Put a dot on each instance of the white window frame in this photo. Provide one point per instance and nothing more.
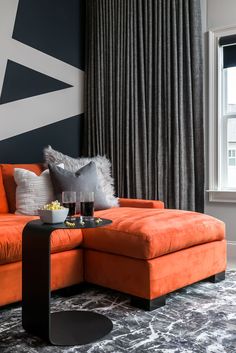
(216, 192)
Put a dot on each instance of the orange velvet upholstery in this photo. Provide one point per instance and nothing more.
(140, 203)
(66, 270)
(9, 182)
(3, 197)
(149, 233)
(147, 251)
(153, 278)
(11, 227)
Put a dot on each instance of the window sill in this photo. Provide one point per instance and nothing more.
(222, 195)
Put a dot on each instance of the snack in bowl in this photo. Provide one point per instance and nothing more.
(53, 213)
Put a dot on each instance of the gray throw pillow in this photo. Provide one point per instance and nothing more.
(103, 165)
(85, 179)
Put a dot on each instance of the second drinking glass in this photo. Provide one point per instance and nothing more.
(87, 205)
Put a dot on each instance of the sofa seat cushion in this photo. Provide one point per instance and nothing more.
(146, 233)
(11, 227)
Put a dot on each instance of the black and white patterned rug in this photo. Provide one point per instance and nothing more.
(197, 319)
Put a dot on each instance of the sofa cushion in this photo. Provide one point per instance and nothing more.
(146, 233)
(84, 179)
(9, 182)
(3, 197)
(103, 165)
(33, 191)
(140, 203)
(11, 227)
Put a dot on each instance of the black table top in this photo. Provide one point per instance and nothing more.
(78, 225)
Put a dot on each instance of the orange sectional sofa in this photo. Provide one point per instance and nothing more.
(148, 251)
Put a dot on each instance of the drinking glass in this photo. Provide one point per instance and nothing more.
(87, 205)
(69, 201)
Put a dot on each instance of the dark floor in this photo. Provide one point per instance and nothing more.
(198, 319)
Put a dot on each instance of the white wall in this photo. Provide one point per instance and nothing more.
(219, 14)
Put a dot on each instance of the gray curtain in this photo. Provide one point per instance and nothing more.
(144, 99)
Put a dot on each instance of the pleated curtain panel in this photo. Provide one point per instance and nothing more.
(144, 97)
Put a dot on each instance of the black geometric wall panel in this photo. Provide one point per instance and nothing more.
(53, 27)
(22, 82)
(42, 51)
(64, 136)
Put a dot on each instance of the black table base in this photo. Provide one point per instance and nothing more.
(78, 327)
(63, 328)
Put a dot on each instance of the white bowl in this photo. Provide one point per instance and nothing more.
(53, 216)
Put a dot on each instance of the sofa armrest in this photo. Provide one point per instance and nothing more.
(140, 203)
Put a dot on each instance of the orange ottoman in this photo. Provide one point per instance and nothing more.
(149, 252)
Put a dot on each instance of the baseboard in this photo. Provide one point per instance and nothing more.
(231, 254)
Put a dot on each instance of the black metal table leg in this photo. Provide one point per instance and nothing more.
(59, 328)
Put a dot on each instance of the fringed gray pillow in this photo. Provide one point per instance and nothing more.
(103, 165)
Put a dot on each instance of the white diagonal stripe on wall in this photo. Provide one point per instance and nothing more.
(30, 113)
(39, 111)
(46, 64)
(8, 9)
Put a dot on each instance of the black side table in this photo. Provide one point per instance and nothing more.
(59, 328)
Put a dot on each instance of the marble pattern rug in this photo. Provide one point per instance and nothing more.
(200, 318)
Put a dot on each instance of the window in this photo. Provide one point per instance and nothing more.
(227, 114)
(232, 161)
(222, 113)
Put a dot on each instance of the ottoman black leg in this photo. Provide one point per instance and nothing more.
(218, 277)
(148, 304)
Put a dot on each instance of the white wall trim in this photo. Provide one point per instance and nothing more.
(231, 254)
(222, 196)
(213, 112)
